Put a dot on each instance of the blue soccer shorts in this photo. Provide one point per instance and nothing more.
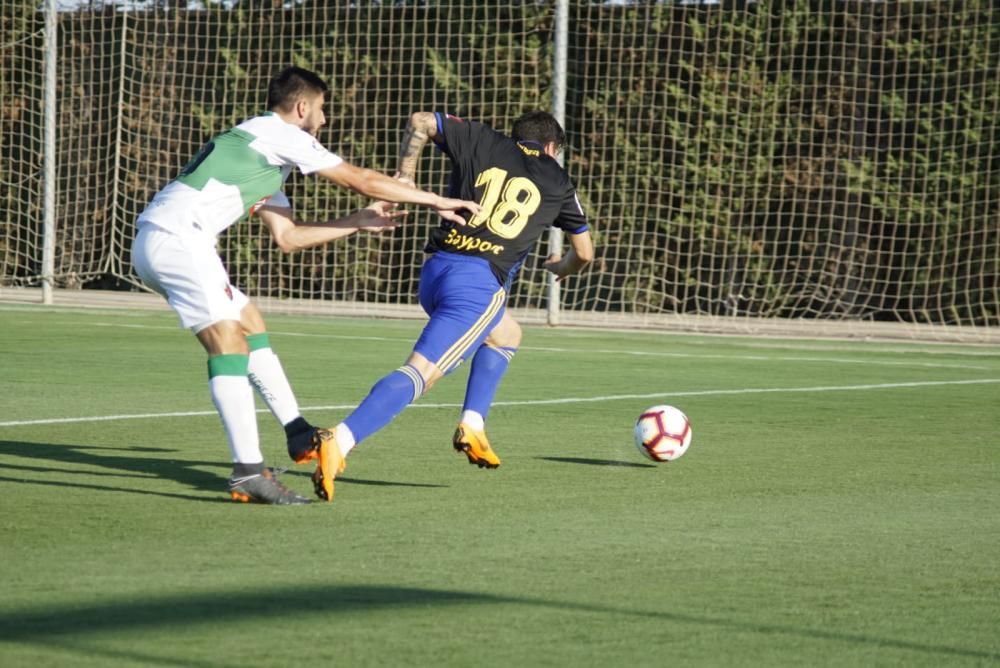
(464, 301)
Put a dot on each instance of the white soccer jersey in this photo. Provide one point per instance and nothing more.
(236, 173)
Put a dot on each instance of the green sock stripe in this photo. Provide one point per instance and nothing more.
(228, 365)
(258, 341)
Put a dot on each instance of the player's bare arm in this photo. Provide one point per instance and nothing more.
(421, 127)
(378, 186)
(581, 253)
(291, 234)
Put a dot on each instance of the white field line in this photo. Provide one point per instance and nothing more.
(757, 358)
(612, 351)
(736, 340)
(543, 402)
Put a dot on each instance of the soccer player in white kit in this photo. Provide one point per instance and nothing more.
(239, 173)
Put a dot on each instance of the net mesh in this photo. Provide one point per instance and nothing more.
(822, 160)
(21, 141)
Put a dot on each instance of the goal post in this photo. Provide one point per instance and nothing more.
(553, 304)
(49, 185)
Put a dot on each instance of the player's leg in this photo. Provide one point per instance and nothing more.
(387, 399)
(267, 376)
(488, 367)
(474, 445)
(389, 396)
(231, 392)
(189, 273)
(464, 302)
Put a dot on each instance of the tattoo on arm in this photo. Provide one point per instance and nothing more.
(409, 151)
(419, 129)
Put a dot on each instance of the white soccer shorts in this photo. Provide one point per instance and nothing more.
(189, 273)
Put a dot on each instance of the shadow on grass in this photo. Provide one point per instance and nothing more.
(48, 624)
(385, 483)
(64, 459)
(107, 488)
(307, 473)
(596, 462)
(124, 463)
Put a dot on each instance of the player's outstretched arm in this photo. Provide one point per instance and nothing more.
(292, 235)
(378, 186)
(581, 253)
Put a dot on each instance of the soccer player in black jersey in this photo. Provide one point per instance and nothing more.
(522, 191)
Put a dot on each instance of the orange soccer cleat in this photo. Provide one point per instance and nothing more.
(330, 463)
(475, 446)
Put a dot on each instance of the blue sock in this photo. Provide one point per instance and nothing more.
(488, 366)
(387, 399)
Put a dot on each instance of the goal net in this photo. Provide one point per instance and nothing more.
(765, 161)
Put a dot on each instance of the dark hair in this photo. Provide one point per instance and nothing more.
(290, 84)
(539, 126)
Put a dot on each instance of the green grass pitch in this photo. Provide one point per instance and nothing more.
(839, 505)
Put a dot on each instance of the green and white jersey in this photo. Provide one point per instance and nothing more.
(235, 174)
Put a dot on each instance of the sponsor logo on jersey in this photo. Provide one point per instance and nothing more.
(229, 292)
(462, 242)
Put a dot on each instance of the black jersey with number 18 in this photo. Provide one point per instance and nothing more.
(522, 192)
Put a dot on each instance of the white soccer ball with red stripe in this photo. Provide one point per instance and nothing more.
(662, 433)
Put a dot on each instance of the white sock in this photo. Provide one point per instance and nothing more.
(233, 398)
(345, 438)
(268, 378)
(474, 420)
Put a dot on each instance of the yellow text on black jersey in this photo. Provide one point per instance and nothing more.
(462, 242)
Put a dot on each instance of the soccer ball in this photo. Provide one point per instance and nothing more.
(662, 433)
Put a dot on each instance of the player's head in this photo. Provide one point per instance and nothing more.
(292, 83)
(541, 127)
(298, 95)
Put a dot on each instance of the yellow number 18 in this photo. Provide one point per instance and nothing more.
(506, 204)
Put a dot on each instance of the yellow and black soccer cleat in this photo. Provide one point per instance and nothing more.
(475, 446)
(330, 463)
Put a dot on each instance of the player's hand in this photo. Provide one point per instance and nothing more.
(554, 264)
(380, 216)
(447, 208)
